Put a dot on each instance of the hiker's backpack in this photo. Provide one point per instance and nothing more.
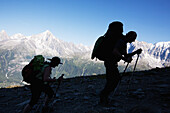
(33, 68)
(98, 50)
(103, 47)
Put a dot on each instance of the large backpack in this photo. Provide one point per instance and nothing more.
(103, 48)
(33, 68)
(99, 49)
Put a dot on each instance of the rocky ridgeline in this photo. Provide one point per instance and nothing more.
(147, 90)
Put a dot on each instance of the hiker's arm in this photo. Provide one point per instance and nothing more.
(139, 51)
(116, 53)
(120, 55)
(46, 75)
(128, 57)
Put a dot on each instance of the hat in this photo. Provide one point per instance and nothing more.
(115, 24)
(55, 60)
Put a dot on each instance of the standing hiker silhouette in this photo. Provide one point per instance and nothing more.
(116, 47)
(41, 84)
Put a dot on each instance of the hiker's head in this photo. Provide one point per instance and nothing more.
(55, 61)
(131, 36)
(115, 28)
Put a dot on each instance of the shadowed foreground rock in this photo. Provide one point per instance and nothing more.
(148, 90)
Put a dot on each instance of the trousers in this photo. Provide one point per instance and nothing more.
(112, 78)
(37, 87)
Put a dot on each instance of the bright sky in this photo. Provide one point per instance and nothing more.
(83, 21)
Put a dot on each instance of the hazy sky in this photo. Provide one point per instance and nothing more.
(83, 21)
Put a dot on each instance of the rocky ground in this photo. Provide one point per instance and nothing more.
(147, 90)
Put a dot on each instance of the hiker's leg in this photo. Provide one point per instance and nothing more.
(112, 80)
(116, 78)
(108, 86)
(106, 91)
(109, 83)
(109, 79)
(35, 90)
(112, 77)
(50, 93)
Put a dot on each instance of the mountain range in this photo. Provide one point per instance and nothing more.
(17, 50)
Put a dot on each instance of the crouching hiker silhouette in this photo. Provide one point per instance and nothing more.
(112, 73)
(40, 83)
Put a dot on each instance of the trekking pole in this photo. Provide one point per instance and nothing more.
(132, 74)
(59, 82)
(134, 68)
(120, 78)
(125, 69)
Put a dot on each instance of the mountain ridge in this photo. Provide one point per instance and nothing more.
(46, 38)
(17, 50)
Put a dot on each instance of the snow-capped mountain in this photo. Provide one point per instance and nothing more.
(161, 51)
(3, 36)
(155, 55)
(17, 50)
(47, 44)
(44, 43)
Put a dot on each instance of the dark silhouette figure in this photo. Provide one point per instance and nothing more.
(117, 51)
(41, 84)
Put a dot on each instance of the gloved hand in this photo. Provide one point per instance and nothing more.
(139, 51)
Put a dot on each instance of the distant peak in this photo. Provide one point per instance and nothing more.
(162, 43)
(18, 35)
(3, 31)
(47, 31)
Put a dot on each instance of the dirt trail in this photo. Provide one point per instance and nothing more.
(150, 89)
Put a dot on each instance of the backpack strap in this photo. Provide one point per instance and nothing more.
(40, 74)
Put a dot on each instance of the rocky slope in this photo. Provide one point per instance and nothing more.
(147, 90)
